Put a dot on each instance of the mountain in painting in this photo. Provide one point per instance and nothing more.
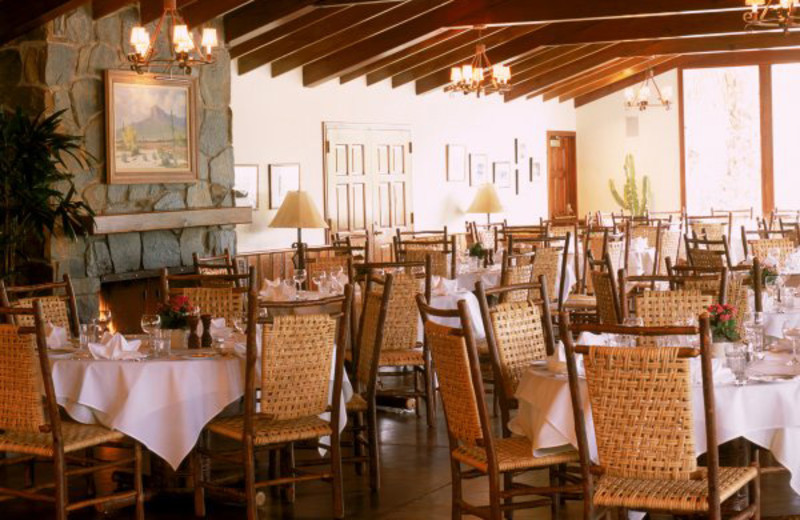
(159, 126)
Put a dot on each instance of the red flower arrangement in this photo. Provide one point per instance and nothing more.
(173, 314)
(722, 318)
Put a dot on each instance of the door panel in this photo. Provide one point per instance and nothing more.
(562, 173)
(368, 179)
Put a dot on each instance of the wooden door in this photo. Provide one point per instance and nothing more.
(368, 178)
(562, 174)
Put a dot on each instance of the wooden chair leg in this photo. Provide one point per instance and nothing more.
(137, 480)
(495, 513)
(508, 483)
(336, 471)
(287, 470)
(197, 480)
(90, 487)
(250, 479)
(272, 471)
(430, 396)
(358, 445)
(555, 506)
(455, 477)
(61, 491)
(374, 450)
(415, 374)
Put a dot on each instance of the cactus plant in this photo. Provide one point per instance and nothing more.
(631, 200)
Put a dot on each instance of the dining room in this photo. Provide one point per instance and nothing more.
(399, 259)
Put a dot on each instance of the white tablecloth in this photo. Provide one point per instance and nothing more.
(164, 404)
(773, 322)
(491, 278)
(765, 414)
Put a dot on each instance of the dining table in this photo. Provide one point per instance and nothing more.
(765, 411)
(162, 402)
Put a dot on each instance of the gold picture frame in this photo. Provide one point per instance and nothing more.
(151, 128)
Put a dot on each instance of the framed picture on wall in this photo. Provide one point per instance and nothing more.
(245, 185)
(456, 155)
(535, 169)
(151, 128)
(502, 174)
(520, 152)
(283, 178)
(478, 169)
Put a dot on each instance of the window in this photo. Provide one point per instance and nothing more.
(786, 134)
(723, 138)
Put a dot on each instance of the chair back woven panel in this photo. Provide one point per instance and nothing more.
(641, 402)
(324, 264)
(452, 367)
(546, 262)
(668, 308)
(594, 246)
(401, 329)
(486, 238)
(296, 366)
(219, 302)
(561, 231)
(54, 309)
(709, 230)
(670, 247)
(604, 293)
(738, 296)
(616, 251)
(708, 286)
(439, 259)
(707, 258)
(369, 331)
(649, 233)
(20, 387)
(762, 248)
(519, 336)
(216, 270)
(517, 274)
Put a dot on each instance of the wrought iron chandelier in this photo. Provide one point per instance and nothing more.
(472, 77)
(641, 96)
(186, 53)
(771, 14)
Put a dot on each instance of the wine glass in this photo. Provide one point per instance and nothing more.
(754, 332)
(792, 332)
(299, 277)
(240, 322)
(318, 277)
(150, 323)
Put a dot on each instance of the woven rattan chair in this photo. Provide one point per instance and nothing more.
(298, 351)
(362, 406)
(762, 248)
(472, 443)
(646, 458)
(710, 281)
(514, 270)
(326, 260)
(708, 253)
(58, 303)
(605, 290)
(518, 333)
(401, 349)
(31, 430)
(668, 308)
(210, 292)
(216, 264)
(442, 254)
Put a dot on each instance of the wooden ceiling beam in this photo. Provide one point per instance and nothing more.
(745, 57)
(711, 44)
(529, 70)
(263, 15)
(614, 78)
(591, 76)
(151, 10)
(393, 40)
(298, 40)
(607, 31)
(19, 17)
(526, 11)
(200, 12)
(461, 55)
(282, 31)
(420, 49)
(627, 82)
(394, 15)
(350, 3)
(408, 62)
(101, 8)
(539, 56)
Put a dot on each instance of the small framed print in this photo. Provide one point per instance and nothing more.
(502, 174)
(245, 185)
(535, 169)
(456, 163)
(478, 169)
(520, 152)
(283, 178)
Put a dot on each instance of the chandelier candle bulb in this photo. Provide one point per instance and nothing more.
(209, 41)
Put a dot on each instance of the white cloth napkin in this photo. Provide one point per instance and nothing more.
(721, 374)
(639, 244)
(218, 330)
(116, 347)
(442, 286)
(558, 361)
(277, 291)
(57, 337)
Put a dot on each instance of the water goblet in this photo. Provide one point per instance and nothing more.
(318, 278)
(299, 278)
(792, 333)
(85, 337)
(754, 332)
(736, 359)
(240, 323)
(150, 323)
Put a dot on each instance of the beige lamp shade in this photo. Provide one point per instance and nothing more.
(486, 201)
(298, 211)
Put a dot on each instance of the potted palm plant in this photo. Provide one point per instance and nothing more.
(37, 192)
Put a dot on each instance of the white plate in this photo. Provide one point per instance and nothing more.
(773, 378)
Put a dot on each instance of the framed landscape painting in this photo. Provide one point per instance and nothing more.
(151, 128)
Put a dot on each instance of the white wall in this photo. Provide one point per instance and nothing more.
(602, 145)
(277, 120)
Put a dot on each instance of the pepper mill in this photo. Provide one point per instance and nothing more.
(206, 340)
(194, 339)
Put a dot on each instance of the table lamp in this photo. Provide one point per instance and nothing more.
(298, 211)
(486, 201)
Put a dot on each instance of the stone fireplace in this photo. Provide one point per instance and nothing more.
(60, 66)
